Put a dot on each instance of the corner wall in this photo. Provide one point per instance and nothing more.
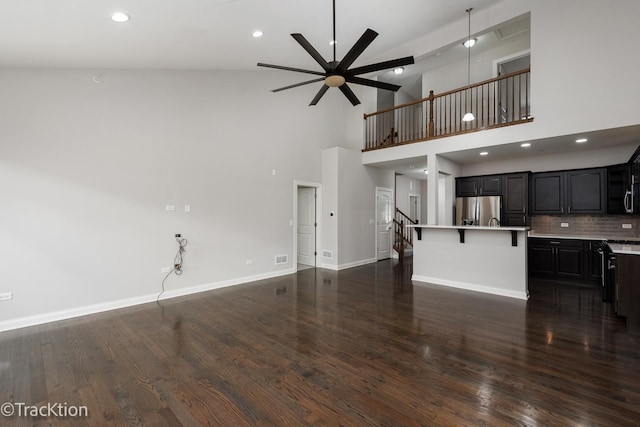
(89, 170)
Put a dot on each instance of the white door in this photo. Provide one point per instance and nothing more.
(307, 226)
(384, 222)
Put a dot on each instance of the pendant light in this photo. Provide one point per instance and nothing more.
(468, 117)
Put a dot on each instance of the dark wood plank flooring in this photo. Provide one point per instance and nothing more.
(359, 347)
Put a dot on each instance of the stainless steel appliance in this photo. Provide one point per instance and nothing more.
(478, 211)
(608, 281)
(632, 195)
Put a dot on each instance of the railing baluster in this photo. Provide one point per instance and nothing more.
(493, 102)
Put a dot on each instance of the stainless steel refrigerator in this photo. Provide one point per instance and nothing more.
(479, 211)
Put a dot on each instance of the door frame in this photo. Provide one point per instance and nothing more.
(294, 223)
(393, 207)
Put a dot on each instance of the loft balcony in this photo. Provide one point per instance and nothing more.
(498, 102)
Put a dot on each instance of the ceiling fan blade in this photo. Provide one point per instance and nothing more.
(372, 83)
(321, 92)
(349, 94)
(363, 42)
(385, 65)
(298, 70)
(298, 84)
(312, 51)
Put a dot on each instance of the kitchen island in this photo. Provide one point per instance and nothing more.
(483, 259)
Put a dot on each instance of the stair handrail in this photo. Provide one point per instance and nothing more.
(402, 234)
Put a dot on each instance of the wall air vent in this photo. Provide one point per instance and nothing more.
(282, 259)
(327, 254)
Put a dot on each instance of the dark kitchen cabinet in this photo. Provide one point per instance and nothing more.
(547, 193)
(564, 259)
(570, 259)
(489, 185)
(586, 191)
(627, 294)
(569, 192)
(515, 200)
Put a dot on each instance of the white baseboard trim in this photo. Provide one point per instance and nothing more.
(349, 264)
(469, 287)
(55, 316)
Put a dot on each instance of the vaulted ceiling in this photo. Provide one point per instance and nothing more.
(209, 34)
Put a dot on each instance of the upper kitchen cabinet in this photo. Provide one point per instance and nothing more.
(489, 185)
(547, 193)
(516, 199)
(587, 191)
(581, 191)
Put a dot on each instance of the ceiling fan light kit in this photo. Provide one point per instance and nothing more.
(337, 73)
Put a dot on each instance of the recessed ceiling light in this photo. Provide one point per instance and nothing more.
(257, 34)
(120, 17)
(581, 140)
(484, 153)
(398, 70)
(525, 145)
(332, 42)
(426, 172)
(469, 43)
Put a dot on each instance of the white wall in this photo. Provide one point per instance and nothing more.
(350, 194)
(88, 170)
(454, 75)
(582, 74)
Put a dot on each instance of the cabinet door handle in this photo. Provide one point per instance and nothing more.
(562, 210)
(555, 243)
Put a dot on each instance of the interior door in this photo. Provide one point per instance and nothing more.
(307, 226)
(384, 222)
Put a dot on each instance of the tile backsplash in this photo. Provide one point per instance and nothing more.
(587, 225)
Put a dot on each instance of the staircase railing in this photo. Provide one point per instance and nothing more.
(497, 102)
(403, 235)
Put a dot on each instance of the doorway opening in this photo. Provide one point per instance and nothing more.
(384, 222)
(306, 224)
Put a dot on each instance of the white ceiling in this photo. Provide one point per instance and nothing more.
(216, 34)
(209, 34)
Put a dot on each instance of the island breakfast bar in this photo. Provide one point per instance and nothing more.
(483, 259)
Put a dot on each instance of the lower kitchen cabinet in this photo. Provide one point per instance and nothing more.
(563, 259)
(627, 296)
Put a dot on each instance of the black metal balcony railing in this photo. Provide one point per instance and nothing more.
(502, 101)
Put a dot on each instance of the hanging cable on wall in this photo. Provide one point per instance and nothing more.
(177, 263)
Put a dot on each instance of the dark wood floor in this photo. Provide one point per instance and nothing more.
(358, 347)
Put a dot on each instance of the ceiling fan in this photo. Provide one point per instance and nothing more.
(337, 73)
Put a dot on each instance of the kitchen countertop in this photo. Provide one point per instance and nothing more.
(617, 248)
(469, 227)
(577, 237)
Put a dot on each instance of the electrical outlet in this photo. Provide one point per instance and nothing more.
(170, 208)
(627, 226)
(249, 261)
(6, 296)
(564, 224)
(178, 235)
